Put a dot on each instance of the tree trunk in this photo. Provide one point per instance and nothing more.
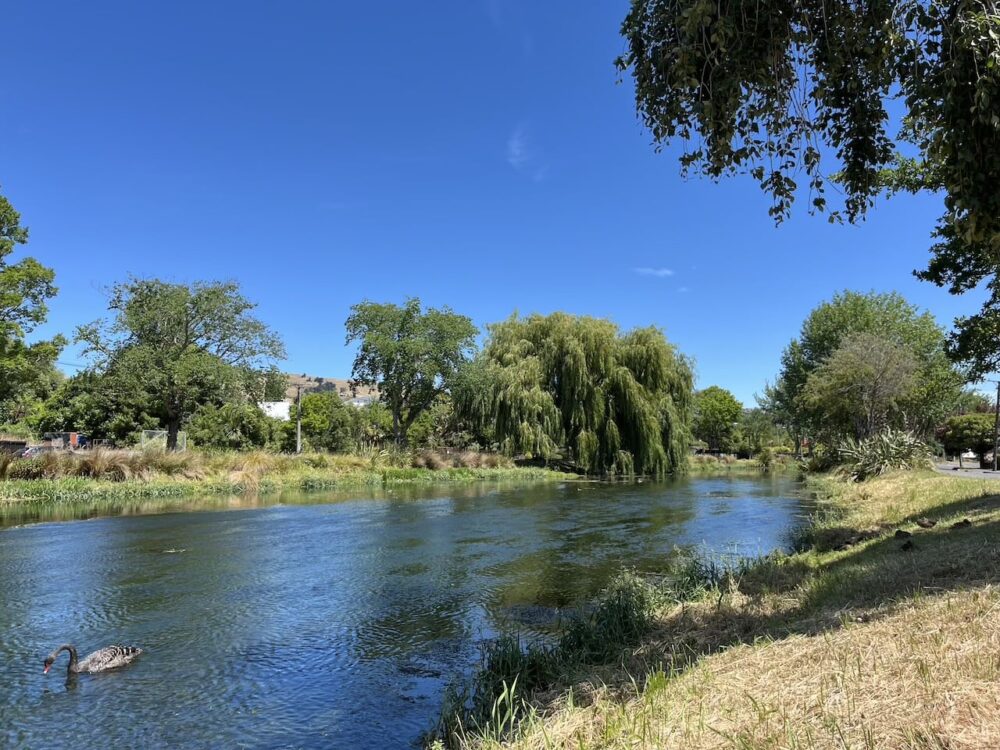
(397, 428)
(173, 427)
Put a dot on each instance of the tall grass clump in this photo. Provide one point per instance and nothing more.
(881, 453)
(6, 462)
(496, 701)
(436, 461)
(99, 463)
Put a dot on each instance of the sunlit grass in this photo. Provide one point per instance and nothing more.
(107, 474)
(858, 641)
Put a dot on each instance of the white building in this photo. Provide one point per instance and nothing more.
(281, 410)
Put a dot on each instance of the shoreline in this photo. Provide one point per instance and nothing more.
(864, 638)
(274, 474)
(77, 489)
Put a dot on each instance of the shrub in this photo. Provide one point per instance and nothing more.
(100, 464)
(765, 458)
(6, 461)
(496, 700)
(883, 452)
(436, 461)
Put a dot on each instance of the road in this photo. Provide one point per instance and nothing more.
(951, 469)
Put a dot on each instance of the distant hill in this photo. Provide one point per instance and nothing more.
(315, 384)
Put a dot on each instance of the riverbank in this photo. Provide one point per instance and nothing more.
(863, 639)
(122, 475)
(708, 465)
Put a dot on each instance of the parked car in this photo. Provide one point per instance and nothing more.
(36, 450)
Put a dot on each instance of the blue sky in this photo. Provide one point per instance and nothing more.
(474, 153)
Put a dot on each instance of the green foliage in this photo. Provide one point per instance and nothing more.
(615, 403)
(862, 383)
(180, 346)
(25, 286)
(95, 405)
(973, 432)
(230, 427)
(757, 432)
(327, 423)
(862, 326)
(509, 673)
(880, 453)
(273, 384)
(27, 371)
(716, 416)
(373, 425)
(772, 89)
(973, 402)
(409, 354)
(435, 427)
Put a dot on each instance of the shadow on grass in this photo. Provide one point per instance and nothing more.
(779, 596)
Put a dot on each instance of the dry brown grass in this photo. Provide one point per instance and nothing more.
(863, 646)
(925, 677)
(436, 460)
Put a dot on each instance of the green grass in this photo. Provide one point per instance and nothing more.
(705, 465)
(494, 703)
(122, 475)
(854, 642)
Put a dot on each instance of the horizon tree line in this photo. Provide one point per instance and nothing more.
(556, 387)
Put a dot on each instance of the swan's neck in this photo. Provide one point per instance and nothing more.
(73, 659)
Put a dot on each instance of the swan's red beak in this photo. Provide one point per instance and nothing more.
(46, 670)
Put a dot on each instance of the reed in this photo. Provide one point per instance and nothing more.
(111, 474)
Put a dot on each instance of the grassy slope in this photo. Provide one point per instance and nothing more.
(855, 643)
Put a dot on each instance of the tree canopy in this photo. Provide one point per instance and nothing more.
(969, 432)
(181, 346)
(775, 89)
(613, 403)
(817, 392)
(409, 354)
(27, 371)
(327, 423)
(716, 417)
(231, 426)
(866, 379)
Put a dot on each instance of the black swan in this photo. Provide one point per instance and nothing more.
(109, 657)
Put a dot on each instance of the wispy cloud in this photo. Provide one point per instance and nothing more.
(660, 273)
(517, 148)
(524, 157)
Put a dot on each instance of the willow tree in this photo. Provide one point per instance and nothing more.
(612, 403)
(791, 91)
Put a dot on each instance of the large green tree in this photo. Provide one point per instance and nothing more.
(716, 417)
(182, 346)
(973, 432)
(411, 355)
(757, 431)
(98, 405)
(861, 386)
(612, 403)
(933, 392)
(776, 89)
(27, 370)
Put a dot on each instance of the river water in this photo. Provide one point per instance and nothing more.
(328, 620)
